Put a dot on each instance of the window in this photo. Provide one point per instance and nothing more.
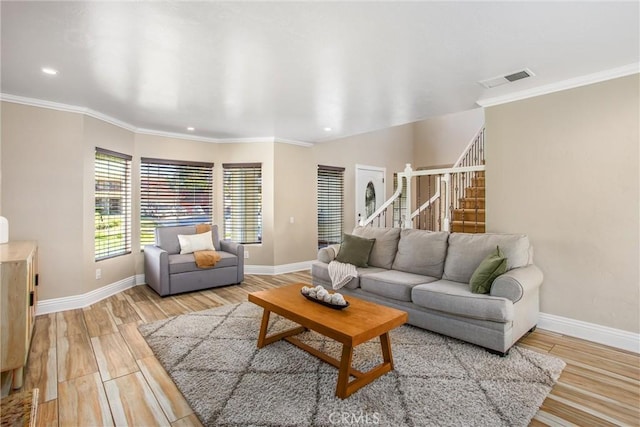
(330, 205)
(112, 172)
(243, 202)
(173, 193)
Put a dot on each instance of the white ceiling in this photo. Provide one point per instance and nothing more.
(288, 70)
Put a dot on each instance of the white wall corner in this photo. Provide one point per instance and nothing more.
(591, 332)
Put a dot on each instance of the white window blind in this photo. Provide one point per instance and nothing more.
(112, 172)
(330, 205)
(243, 202)
(173, 193)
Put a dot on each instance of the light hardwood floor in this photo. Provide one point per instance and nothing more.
(93, 368)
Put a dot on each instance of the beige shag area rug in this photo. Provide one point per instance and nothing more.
(19, 409)
(438, 381)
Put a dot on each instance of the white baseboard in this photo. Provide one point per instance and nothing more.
(591, 332)
(79, 301)
(271, 270)
(54, 305)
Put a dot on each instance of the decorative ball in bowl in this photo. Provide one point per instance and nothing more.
(324, 297)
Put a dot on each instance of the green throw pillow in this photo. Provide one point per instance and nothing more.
(491, 267)
(355, 250)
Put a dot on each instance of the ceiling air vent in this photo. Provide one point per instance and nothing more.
(509, 78)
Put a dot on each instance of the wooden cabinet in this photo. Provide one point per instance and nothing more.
(18, 298)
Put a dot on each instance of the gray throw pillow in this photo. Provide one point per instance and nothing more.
(489, 269)
(355, 250)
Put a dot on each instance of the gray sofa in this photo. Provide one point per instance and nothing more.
(168, 272)
(427, 274)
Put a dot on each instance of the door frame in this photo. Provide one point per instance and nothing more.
(360, 185)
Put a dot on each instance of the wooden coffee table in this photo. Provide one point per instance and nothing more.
(354, 325)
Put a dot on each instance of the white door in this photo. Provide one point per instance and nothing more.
(370, 191)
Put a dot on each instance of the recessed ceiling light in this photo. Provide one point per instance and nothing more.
(49, 71)
(327, 129)
(191, 129)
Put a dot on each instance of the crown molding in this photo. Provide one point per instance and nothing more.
(34, 102)
(153, 132)
(588, 79)
(293, 142)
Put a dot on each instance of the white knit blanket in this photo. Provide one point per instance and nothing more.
(340, 273)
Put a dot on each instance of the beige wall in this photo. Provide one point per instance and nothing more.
(391, 148)
(439, 141)
(295, 197)
(564, 168)
(42, 191)
(48, 185)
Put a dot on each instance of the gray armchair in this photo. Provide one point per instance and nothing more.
(167, 272)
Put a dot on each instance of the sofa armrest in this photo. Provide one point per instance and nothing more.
(156, 269)
(328, 253)
(238, 250)
(514, 284)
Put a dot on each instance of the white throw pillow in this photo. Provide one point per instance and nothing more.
(195, 242)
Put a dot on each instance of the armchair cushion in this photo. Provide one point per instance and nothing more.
(182, 263)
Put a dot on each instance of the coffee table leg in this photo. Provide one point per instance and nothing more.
(263, 328)
(343, 374)
(385, 343)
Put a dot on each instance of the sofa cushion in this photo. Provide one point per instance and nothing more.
(456, 298)
(355, 250)
(320, 270)
(185, 263)
(466, 252)
(421, 252)
(384, 248)
(491, 267)
(393, 284)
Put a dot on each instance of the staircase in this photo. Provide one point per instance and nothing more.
(470, 217)
(447, 199)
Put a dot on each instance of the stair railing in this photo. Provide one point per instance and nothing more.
(473, 155)
(442, 176)
(447, 196)
(381, 211)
